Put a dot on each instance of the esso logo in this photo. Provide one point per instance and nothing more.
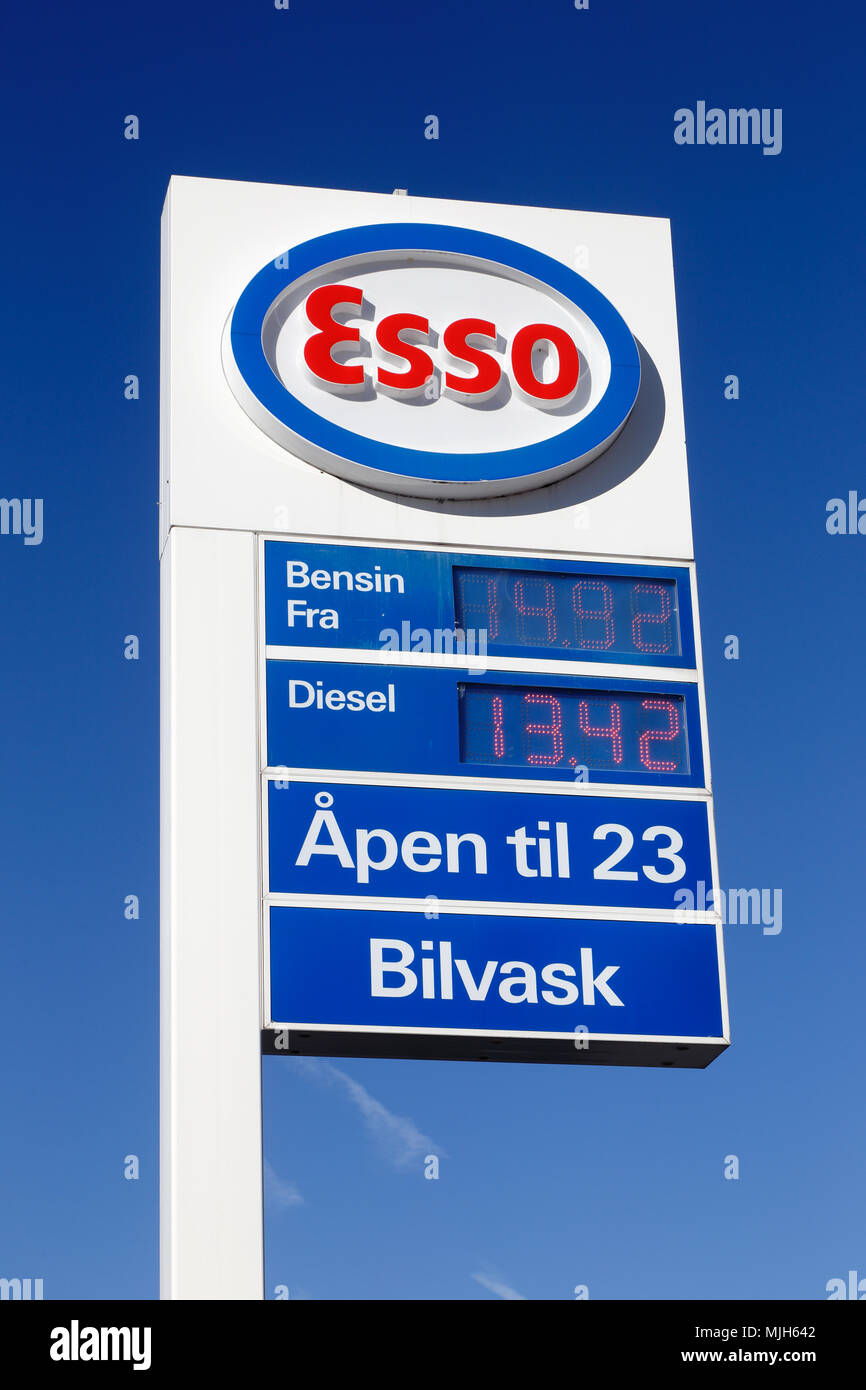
(431, 361)
(467, 343)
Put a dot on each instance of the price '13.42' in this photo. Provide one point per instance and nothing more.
(625, 731)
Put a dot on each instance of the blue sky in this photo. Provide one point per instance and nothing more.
(550, 1177)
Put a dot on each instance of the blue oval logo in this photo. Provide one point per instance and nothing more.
(431, 361)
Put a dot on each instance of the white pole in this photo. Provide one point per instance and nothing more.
(211, 1228)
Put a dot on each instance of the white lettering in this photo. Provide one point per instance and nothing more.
(298, 576)
(421, 842)
(452, 850)
(363, 840)
(518, 979)
(599, 983)
(478, 991)
(379, 969)
(524, 980)
(304, 695)
(551, 976)
(324, 820)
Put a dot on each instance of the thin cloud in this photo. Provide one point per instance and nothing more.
(496, 1286)
(398, 1138)
(278, 1192)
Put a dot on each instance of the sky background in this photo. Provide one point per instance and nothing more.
(550, 1177)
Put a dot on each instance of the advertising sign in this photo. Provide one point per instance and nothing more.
(435, 775)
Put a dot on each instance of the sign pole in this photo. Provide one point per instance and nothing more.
(211, 1222)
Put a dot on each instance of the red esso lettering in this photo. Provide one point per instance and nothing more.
(467, 343)
(455, 340)
(318, 349)
(528, 349)
(414, 378)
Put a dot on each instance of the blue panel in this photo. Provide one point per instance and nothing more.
(376, 718)
(477, 846)
(331, 966)
(379, 598)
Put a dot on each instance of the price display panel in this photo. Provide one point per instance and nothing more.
(362, 598)
(383, 718)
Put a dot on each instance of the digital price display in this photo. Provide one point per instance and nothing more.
(614, 614)
(604, 730)
(414, 719)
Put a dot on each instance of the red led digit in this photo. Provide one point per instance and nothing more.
(660, 736)
(545, 609)
(657, 616)
(613, 730)
(552, 729)
(583, 614)
(498, 727)
(488, 607)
